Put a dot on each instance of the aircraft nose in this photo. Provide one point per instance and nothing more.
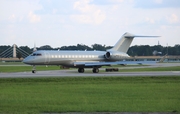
(27, 60)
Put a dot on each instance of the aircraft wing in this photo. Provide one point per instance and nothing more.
(99, 64)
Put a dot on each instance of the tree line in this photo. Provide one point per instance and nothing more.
(137, 50)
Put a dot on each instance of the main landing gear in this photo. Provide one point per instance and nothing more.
(34, 69)
(94, 70)
(81, 70)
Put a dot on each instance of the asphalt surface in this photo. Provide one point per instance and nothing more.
(74, 73)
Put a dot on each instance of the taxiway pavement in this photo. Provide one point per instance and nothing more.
(74, 73)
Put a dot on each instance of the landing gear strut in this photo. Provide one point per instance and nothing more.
(95, 70)
(34, 69)
(81, 70)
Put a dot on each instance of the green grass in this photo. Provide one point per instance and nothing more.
(90, 94)
(11, 63)
(26, 68)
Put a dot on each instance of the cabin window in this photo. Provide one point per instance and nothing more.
(36, 54)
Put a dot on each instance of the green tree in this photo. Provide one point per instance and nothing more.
(45, 47)
(99, 47)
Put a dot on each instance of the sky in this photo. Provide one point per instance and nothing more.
(70, 22)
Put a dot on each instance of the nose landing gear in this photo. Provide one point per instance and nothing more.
(34, 69)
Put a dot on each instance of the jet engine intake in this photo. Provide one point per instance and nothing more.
(107, 55)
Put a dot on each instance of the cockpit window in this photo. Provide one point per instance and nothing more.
(36, 54)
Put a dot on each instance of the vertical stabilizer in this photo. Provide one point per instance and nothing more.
(125, 41)
(123, 44)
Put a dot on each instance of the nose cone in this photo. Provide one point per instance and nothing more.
(28, 60)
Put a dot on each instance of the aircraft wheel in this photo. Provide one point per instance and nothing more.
(81, 70)
(33, 71)
(95, 70)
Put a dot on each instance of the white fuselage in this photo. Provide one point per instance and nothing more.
(68, 58)
(84, 59)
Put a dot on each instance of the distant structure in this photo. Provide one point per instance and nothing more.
(35, 49)
(13, 51)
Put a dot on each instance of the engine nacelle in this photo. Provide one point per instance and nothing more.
(107, 55)
(115, 55)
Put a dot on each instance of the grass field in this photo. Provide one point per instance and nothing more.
(11, 63)
(26, 68)
(90, 94)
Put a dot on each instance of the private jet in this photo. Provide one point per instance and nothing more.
(85, 59)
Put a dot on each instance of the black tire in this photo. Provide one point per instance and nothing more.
(81, 70)
(95, 70)
(33, 71)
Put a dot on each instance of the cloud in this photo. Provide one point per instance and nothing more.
(12, 17)
(33, 18)
(55, 19)
(150, 20)
(173, 18)
(88, 13)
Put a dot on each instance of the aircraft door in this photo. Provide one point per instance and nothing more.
(47, 57)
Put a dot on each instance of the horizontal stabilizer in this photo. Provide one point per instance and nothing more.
(139, 36)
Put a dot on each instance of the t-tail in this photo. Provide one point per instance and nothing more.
(125, 41)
